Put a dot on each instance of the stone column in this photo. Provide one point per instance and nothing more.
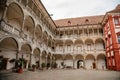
(39, 61)
(17, 52)
(46, 61)
(51, 62)
(30, 64)
(47, 42)
(84, 63)
(98, 31)
(73, 62)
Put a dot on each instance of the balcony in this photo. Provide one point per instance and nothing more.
(9, 29)
(78, 36)
(79, 51)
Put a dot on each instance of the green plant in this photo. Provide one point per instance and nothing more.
(33, 66)
(43, 65)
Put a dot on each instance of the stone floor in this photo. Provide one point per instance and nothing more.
(62, 75)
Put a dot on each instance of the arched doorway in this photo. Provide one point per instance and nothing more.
(26, 55)
(101, 61)
(68, 60)
(90, 61)
(36, 57)
(80, 64)
(59, 60)
(8, 51)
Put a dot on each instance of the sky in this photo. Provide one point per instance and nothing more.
(60, 9)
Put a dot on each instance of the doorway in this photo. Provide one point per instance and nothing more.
(80, 64)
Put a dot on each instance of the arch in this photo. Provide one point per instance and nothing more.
(58, 57)
(99, 44)
(15, 15)
(45, 35)
(8, 49)
(68, 57)
(101, 61)
(29, 26)
(89, 45)
(68, 42)
(68, 61)
(38, 32)
(79, 41)
(90, 61)
(9, 43)
(60, 42)
(49, 56)
(79, 45)
(36, 52)
(44, 54)
(36, 57)
(79, 60)
(79, 57)
(89, 41)
(59, 60)
(26, 48)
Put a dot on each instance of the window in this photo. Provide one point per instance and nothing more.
(68, 47)
(60, 47)
(88, 47)
(119, 39)
(113, 62)
(116, 21)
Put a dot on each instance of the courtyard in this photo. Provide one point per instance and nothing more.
(67, 74)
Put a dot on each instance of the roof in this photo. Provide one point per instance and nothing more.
(79, 21)
(116, 10)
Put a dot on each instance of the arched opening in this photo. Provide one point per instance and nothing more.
(78, 46)
(25, 55)
(14, 16)
(101, 61)
(59, 45)
(68, 61)
(89, 45)
(79, 59)
(8, 51)
(69, 46)
(44, 58)
(59, 60)
(90, 62)
(49, 61)
(99, 45)
(80, 64)
(29, 26)
(45, 35)
(38, 33)
(36, 57)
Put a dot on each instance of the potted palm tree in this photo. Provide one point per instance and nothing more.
(34, 67)
(43, 65)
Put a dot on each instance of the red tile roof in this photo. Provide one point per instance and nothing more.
(79, 21)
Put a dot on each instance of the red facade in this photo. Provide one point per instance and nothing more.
(112, 40)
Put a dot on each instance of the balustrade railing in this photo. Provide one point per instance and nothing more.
(8, 28)
(78, 36)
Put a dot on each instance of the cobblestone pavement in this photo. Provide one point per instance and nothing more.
(62, 75)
